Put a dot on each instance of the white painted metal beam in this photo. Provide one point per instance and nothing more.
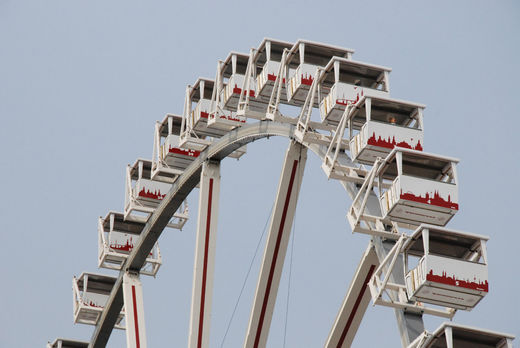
(134, 311)
(203, 268)
(276, 246)
(355, 304)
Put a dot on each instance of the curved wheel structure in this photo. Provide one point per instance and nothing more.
(182, 188)
(402, 189)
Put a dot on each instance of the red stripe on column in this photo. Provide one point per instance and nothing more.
(136, 323)
(205, 268)
(275, 255)
(356, 305)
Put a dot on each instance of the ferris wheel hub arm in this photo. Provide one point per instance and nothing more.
(134, 311)
(204, 265)
(276, 245)
(355, 303)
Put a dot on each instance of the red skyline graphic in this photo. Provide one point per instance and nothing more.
(93, 304)
(272, 77)
(124, 247)
(231, 118)
(238, 90)
(185, 152)
(307, 80)
(435, 200)
(204, 114)
(345, 101)
(444, 279)
(152, 195)
(391, 143)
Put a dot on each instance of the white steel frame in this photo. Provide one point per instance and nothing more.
(276, 245)
(134, 309)
(355, 303)
(409, 324)
(381, 269)
(204, 265)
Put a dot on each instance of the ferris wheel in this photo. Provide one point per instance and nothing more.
(372, 144)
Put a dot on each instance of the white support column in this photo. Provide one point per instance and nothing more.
(276, 246)
(134, 311)
(355, 304)
(204, 265)
(448, 332)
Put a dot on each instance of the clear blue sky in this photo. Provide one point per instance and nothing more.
(82, 83)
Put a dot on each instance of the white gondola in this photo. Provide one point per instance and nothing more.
(308, 56)
(66, 343)
(452, 269)
(196, 134)
(423, 190)
(201, 107)
(116, 240)
(377, 125)
(226, 93)
(232, 76)
(91, 292)
(169, 159)
(267, 59)
(143, 195)
(452, 335)
(348, 81)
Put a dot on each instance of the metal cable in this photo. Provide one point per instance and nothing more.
(247, 276)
